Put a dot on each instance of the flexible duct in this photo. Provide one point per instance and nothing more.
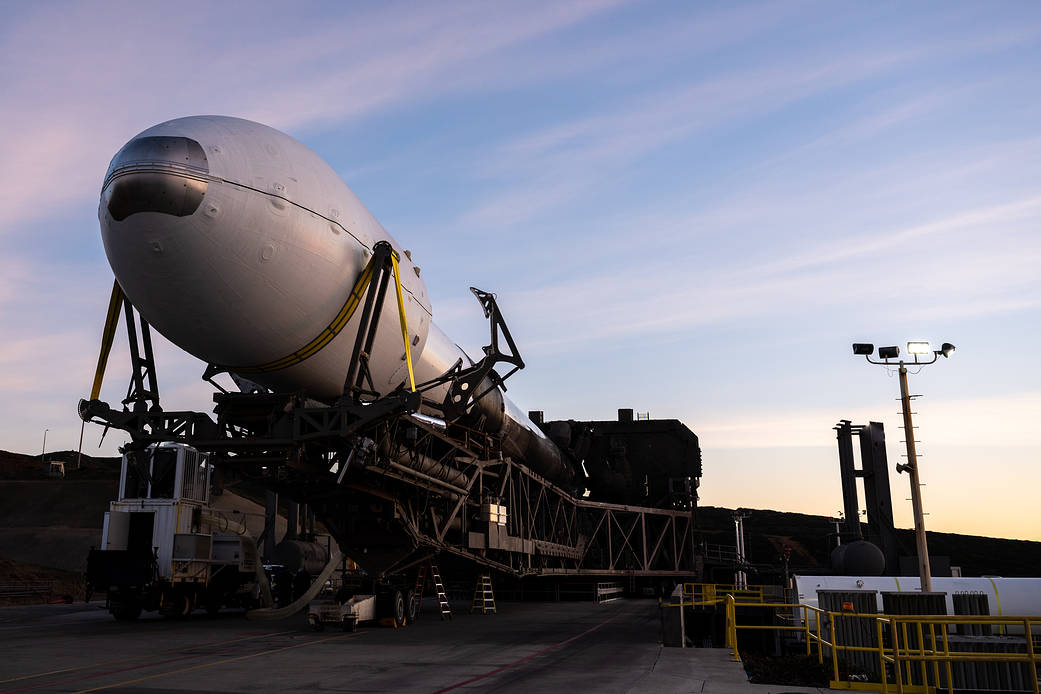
(275, 613)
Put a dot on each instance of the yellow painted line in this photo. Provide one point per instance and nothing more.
(139, 657)
(219, 662)
(898, 588)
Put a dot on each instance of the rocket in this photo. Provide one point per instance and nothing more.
(241, 246)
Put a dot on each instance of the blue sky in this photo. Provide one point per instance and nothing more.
(688, 209)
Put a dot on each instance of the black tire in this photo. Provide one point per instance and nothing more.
(411, 607)
(350, 624)
(180, 606)
(398, 610)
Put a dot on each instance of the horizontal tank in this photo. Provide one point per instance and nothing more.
(294, 555)
(1006, 596)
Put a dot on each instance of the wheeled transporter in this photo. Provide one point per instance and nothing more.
(162, 546)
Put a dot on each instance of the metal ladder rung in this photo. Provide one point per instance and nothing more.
(484, 597)
(442, 597)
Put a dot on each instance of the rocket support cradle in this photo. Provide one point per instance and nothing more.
(245, 249)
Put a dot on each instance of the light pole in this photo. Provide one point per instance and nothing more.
(911, 466)
(43, 449)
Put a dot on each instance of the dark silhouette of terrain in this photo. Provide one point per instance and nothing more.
(40, 517)
(812, 539)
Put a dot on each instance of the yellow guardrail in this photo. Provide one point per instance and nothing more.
(710, 592)
(914, 652)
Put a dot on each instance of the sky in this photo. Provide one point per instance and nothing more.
(688, 209)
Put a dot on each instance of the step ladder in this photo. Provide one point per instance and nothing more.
(484, 598)
(439, 587)
(421, 582)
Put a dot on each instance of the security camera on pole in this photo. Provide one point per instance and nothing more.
(911, 466)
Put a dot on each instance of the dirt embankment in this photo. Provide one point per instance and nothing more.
(23, 583)
(52, 523)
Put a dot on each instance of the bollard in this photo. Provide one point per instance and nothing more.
(683, 627)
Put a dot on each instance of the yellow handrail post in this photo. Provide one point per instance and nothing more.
(806, 627)
(881, 657)
(732, 627)
(923, 664)
(906, 640)
(1028, 633)
(834, 648)
(947, 658)
(936, 664)
(899, 673)
(820, 645)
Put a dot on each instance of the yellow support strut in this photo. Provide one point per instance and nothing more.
(404, 323)
(115, 303)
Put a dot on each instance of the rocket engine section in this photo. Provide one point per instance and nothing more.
(243, 247)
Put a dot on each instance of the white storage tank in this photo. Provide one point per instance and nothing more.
(1006, 596)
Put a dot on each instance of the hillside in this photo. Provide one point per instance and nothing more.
(54, 522)
(767, 532)
(19, 466)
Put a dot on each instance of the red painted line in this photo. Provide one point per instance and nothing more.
(526, 658)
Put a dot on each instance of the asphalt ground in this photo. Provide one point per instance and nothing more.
(525, 647)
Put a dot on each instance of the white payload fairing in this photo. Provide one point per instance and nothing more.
(241, 246)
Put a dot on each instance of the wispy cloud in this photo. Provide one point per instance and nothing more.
(828, 254)
(670, 299)
(546, 167)
(67, 106)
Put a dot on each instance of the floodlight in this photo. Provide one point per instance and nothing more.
(918, 348)
(947, 349)
(863, 348)
(888, 352)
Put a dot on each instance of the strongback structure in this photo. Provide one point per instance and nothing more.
(875, 473)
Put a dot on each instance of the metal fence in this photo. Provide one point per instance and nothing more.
(916, 654)
(25, 590)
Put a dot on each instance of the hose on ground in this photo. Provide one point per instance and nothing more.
(275, 613)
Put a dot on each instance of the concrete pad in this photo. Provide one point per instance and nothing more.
(526, 647)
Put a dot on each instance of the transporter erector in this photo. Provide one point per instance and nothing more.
(244, 248)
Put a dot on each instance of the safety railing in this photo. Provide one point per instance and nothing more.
(922, 652)
(710, 593)
(916, 654)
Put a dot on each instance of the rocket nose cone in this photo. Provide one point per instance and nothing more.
(156, 174)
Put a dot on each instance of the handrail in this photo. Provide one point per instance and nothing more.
(915, 647)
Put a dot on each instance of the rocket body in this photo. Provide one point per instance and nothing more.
(241, 246)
